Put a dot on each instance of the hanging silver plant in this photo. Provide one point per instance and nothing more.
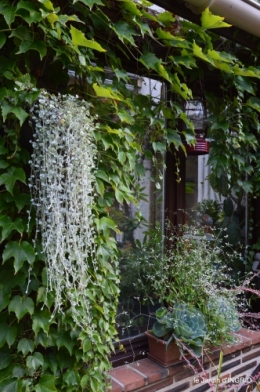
(62, 192)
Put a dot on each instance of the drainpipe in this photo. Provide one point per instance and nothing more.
(244, 14)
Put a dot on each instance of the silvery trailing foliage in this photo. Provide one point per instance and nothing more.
(62, 191)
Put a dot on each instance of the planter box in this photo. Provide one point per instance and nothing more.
(158, 352)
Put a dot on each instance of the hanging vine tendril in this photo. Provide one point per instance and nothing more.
(62, 191)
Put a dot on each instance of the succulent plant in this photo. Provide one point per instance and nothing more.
(184, 322)
(225, 313)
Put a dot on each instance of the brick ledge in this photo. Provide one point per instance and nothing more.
(147, 376)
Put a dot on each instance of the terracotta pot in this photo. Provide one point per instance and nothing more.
(158, 352)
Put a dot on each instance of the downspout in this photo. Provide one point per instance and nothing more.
(244, 14)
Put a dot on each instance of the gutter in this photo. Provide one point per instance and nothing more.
(244, 14)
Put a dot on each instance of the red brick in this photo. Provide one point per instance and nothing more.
(128, 377)
(187, 373)
(253, 335)
(243, 341)
(115, 387)
(150, 369)
(199, 378)
(156, 386)
(177, 368)
(210, 355)
(250, 356)
(226, 367)
(246, 350)
(224, 378)
(244, 368)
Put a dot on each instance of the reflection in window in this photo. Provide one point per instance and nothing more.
(140, 246)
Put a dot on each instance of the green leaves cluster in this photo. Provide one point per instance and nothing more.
(41, 44)
(234, 130)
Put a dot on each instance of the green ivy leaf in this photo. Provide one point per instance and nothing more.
(25, 7)
(166, 18)
(35, 361)
(20, 306)
(64, 340)
(7, 333)
(25, 346)
(84, 381)
(218, 56)
(47, 4)
(50, 361)
(250, 71)
(3, 164)
(106, 224)
(2, 39)
(87, 345)
(11, 385)
(197, 51)
(119, 196)
(131, 7)
(12, 175)
(172, 40)
(20, 113)
(39, 46)
(121, 157)
(8, 226)
(41, 320)
(5, 109)
(46, 384)
(8, 12)
(244, 84)
(210, 21)
(44, 296)
(8, 280)
(5, 359)
(52, 18)
(4, 298)
(126, 117)
(43, 339)
(124, 32)
(106, 92)
(79, 39)
(185, 60)
(173, 137)
(21, 252)
(100, 187)
(18, 372)
(3, 93)
(120, 74)
(144, 27)
(23, 33)
(150, 61)
(89, 3)
(71, 378)
(20, 199)
(254, 102)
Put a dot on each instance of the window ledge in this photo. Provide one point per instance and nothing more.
(240, 360)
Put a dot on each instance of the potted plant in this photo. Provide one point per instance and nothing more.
(194, 283)
(184, 325)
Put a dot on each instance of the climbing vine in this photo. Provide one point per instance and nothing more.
(67, 48)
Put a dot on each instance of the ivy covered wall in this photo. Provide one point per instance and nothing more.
(42, 42)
